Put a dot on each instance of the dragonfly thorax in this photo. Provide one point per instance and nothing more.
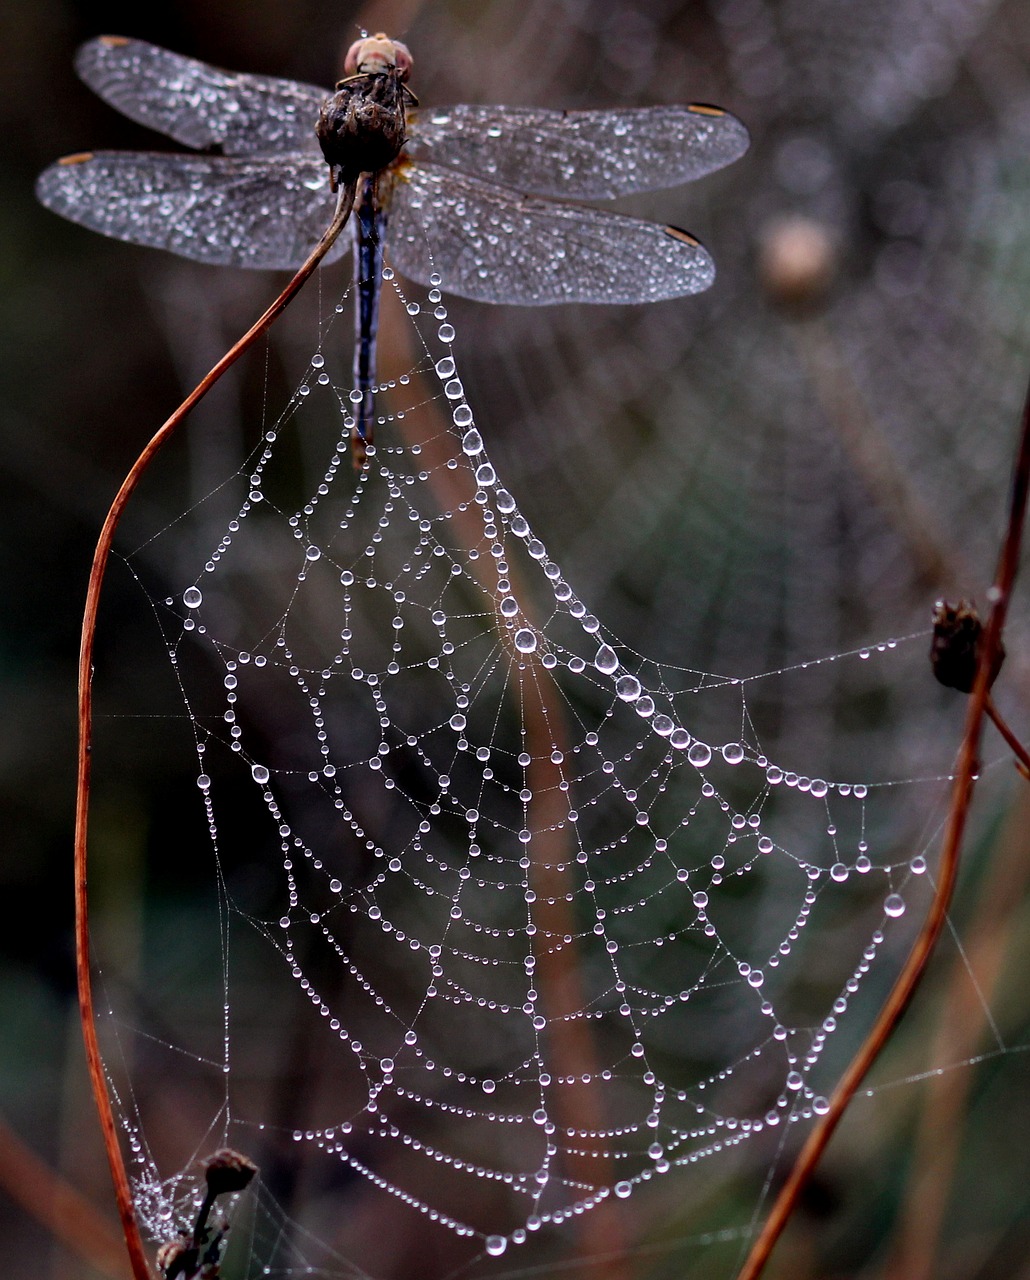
(361, 126)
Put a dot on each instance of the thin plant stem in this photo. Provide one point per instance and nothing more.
(999, 722)
(101, 555)
(976, 978)
(961, 797)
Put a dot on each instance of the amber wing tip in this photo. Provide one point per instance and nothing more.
(685, 237)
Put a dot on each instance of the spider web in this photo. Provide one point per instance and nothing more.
(534, 921)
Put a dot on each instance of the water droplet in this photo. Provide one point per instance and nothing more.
(628, 688)
(699, 755)
(733, 753)
(192, 597)
(606, 660)
(259, 773)
(623, 1190)
(472, 441)
(525, 640)
(496, 1245)
(894, 905)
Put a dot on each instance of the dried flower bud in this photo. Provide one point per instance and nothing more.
(955, 648)
(175, 1258)
(227, 1171)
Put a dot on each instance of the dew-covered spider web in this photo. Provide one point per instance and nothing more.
(486, 927)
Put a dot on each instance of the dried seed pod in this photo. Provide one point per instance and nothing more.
(176, 1258)
(227, 1171)
(955, 648)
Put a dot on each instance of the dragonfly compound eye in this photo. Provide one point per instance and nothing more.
(375, 55)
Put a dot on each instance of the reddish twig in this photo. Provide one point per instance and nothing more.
(962, 1019)
(123, 1194)
(1018, 750)
(962, 794)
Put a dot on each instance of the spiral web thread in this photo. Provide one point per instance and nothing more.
(555, 910)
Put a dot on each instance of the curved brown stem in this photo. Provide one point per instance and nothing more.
(1001, 724)
(101, 555)
(961, 797)
(962, 1021)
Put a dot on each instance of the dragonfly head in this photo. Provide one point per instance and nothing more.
(361, 127)
(376, 55)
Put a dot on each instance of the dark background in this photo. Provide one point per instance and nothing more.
(831, 467)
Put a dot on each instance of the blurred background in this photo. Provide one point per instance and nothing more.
(791, 466)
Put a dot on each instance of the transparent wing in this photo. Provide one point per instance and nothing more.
(231, 211)
(493, 244)
(198, 105)
(590, 155)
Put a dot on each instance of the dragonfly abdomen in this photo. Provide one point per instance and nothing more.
(369, 231)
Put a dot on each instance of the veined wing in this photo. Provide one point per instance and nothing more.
(590, 155)
(232, 211)
(492, 244)
(198, 105)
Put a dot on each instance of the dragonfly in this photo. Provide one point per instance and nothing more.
(475, 200)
